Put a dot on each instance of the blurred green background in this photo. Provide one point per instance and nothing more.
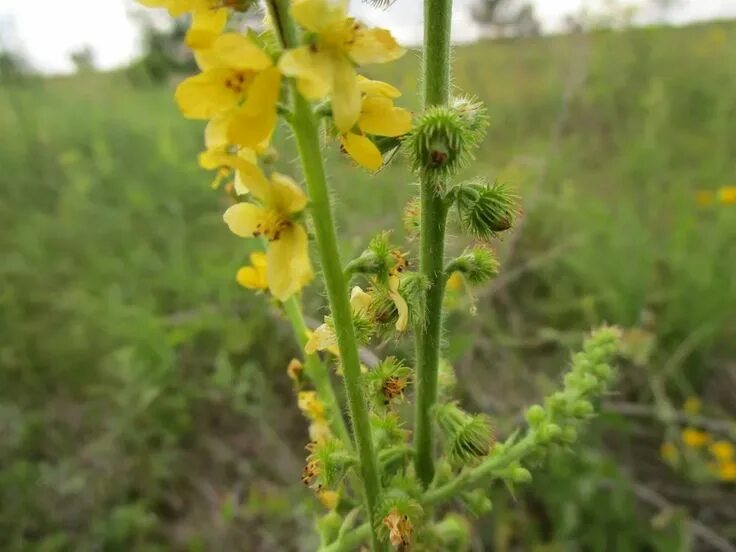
(144, 403)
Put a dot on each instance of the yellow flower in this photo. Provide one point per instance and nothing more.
(324, 338)
(378, 116)
(399, 301)
(209, 18)
(238, 88)
(310, 405)
(455, 282)
(695, 438)
(723, 451)
(727, 471)
(668, 452)
(288, 268)
(254, 276)
(727, 195)
(692, 405)
(319, 431)
(327, 66)
(329, 499)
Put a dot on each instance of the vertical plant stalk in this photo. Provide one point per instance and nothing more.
(436, 78)
(317, 372)
(305, 129)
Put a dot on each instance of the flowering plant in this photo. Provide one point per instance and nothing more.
(381, 477)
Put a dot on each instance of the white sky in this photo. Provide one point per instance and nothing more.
(46, 31)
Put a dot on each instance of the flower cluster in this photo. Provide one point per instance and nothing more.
(238, 90)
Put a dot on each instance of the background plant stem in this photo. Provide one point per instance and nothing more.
(307, 137)
(436, 72)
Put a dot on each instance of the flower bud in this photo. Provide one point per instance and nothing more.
(569, 435)
(477, 502)
(477, 264)
(520, 475)
(468, 436)
(535, 415)
(485, 210)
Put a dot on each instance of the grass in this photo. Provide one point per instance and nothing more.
(143, 402)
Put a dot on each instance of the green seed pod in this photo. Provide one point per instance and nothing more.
(478, 265)
(485, 210)
(445, 136)
(477, 503)
(520, 475)
(328, 527)
(569, 435)
(468, 437)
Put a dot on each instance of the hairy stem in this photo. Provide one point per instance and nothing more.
(317, 372)
(436, 71)
(305, 128)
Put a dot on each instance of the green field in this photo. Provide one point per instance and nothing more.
(143, 398)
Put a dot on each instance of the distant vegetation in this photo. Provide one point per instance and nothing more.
(136, 379)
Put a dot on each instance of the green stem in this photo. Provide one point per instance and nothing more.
(305, 129)
(317, 372)
(436, 72)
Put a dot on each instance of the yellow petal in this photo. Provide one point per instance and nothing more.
(320, 339)
(319, 431)
(254, 123)
(727, 195)
(399, 301)
(289, 268)
(234, 51)
(175, 7)
(258, 259)
(360, 301)
(319, 15)
(285, 195)
(379, 116)
(243, 219)
(374, 46)
(207, 24)
(204, 96)
(362, 150)
(250, 178)
(312, 69)
(345, 94)
(329, 499)
(215, 133)
(251, 278)
(377, 88)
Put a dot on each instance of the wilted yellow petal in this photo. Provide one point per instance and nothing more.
(313, 71)
(207, 24)
(319, 15)
(233, 51)
(360, 301)
(377, 88)
(289, 268)
(362, 150)
(243, 219)
(345, 95)
(329, 499)
(374, 46)
(379, 116)
(320, 339)
(400, 302)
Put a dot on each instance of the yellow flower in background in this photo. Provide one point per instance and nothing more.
(294, 370)
(209, 18)
(668, 452)
(695, 438)
(727, 195)
(327, 66)
(254, 276)
(323, 338)
(329, 499)
(378, 116)
(310, 405)
(238, 88)
(288, 268)
(722, 451)
(692, 405)
(704, 197)
(727, 471)
(455, 282)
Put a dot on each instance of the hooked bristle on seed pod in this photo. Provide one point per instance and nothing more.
(468, 437)
(477, 264)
